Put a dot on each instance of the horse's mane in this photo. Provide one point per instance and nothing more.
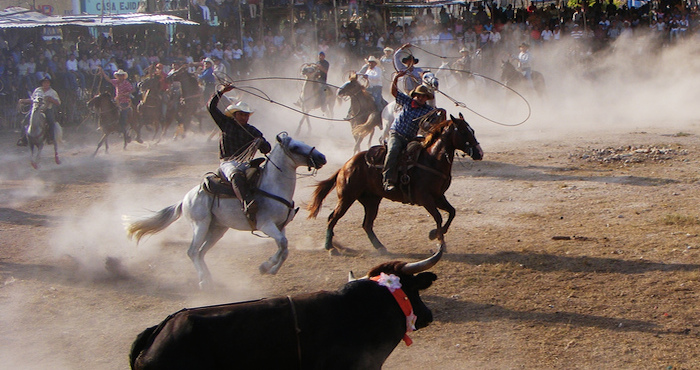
(435, 133)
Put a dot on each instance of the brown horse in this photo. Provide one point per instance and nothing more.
(425, 185)
(108, 119)
(191, 100)
(513, 78)
(150, 107)
(363, 113)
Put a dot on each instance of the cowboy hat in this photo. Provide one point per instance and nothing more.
(208, 60)
(238, 107)
(121, 72)
(423, 90)
(372, 59)
(406, 59)
(388, 49)
(463, 50)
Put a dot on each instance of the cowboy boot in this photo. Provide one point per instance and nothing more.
(239, 184)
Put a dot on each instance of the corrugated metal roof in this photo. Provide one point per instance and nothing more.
(17, 17)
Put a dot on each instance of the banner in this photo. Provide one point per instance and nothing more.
(97, 7)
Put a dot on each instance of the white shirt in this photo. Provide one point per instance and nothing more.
(40, 93)
(374, 75)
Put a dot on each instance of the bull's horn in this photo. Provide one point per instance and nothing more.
(420, 266)
(351, 277)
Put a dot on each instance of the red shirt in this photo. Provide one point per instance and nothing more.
(122, 89)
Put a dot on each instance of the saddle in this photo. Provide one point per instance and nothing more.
(409, 156)
(216, 184)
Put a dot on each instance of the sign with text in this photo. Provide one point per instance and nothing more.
(111, 6)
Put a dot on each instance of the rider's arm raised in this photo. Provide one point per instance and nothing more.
(219, 118)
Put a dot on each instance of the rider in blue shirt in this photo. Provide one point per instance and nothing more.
(405, 126)
(207, 76)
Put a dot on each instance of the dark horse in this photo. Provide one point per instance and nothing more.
(315, 94)
(363, 113)
(191, 100)
(513, 78)
(108, 119)
(429, 178)
(150, 107)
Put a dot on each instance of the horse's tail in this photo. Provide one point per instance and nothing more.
(155, 223)
(142, 342)
(322, 189)
(374, 120)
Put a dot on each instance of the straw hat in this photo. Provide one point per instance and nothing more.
(372, 59)
(238, 107)
(388, 49)
(121, 72)
(423, 90)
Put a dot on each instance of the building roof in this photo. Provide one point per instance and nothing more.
(17, 17)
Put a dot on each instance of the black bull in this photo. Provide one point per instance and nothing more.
(356, 327)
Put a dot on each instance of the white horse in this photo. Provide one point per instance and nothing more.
(37, 133)
(211, 216)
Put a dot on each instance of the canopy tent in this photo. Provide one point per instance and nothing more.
(429, 4)
(16, 17)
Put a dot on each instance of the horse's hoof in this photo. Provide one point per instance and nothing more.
(382, 251)
(432, 235)
(264, 268)
(58, 161)
(35, 165)
(334, 252)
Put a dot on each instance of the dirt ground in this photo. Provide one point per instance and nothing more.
(570, 251)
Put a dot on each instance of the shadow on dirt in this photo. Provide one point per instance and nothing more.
(509, 171)
(456, 310)
(549, 262)
(15, 217)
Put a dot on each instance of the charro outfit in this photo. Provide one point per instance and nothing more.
(236, 139)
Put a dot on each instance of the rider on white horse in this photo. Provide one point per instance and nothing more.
(239, 143)
(51, 99)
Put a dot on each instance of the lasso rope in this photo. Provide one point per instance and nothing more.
(226, 80)
(462, 104)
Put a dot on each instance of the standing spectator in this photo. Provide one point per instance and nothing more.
(73, 74)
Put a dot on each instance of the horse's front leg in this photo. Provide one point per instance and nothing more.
(272, 265)
(55, 152)
(301, 123)
(443, 204)
(436, 233)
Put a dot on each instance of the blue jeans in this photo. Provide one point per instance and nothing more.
(124, 109)
(394, 146)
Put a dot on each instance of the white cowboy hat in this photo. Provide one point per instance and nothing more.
(121, 72)
(238, 107)
(463, 50)
(388, 49)
(372, 58)
(208, 60)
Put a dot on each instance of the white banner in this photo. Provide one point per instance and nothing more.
(111, 6)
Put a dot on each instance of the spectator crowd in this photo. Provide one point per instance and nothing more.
(480, 31)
